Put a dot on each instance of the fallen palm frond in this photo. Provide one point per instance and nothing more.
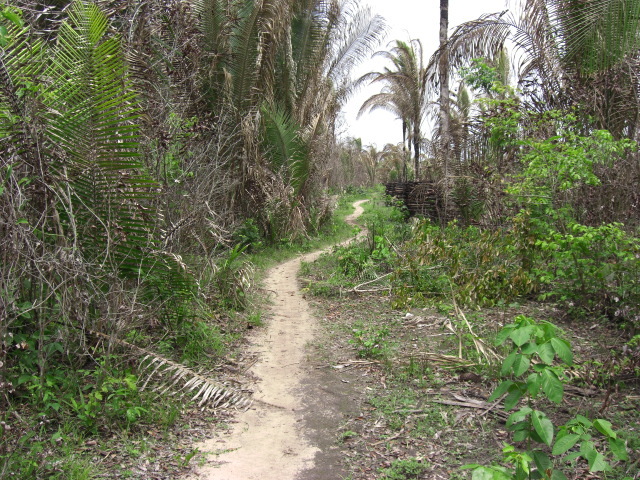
(203, 388)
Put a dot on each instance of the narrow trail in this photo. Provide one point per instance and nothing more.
(267, 442)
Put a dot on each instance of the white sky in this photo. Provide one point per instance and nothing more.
(406, 19)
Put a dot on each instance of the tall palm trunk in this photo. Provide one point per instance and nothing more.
(444, 87)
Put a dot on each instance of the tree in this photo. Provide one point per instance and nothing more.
(571, 53)
(443, 69)
(403, 92)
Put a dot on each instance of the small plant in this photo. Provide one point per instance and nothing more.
(371, 341)
(233, 278)
(535, 366)
(344, 436)
(403, 469)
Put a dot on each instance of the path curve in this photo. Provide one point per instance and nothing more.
(267, 442)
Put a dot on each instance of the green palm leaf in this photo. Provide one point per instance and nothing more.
(92, 117)
(284, 147)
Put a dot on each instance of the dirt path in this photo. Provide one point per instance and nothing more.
(268, 443)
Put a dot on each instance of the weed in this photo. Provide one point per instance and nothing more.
(344, 436)
(403, 469)
(370, 341)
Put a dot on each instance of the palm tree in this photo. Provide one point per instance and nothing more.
(282, 69)
(570, 53)
(371, 159)
(443, 68)
(403, 92)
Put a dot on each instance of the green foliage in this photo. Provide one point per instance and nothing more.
(592, 268)
(564, 161)
(233, 278)
(535, 364)
(286, 150)
(9, 16)
(113, 399)
(403, 469)
(248, 235)
(480, 267)
(371, 341)
(481, 76)
(198, 342)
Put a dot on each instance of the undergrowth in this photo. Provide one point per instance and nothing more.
(60, 399)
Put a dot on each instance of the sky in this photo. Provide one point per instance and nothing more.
(406, 19)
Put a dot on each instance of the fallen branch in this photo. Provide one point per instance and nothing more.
(472, 403)
(444, 361)
(357, 288)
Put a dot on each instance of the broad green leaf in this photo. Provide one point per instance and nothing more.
(508, 363)
(503, 335)
(558, 475)
(12, 17)
(546, 353)
(543, 426)
(520, 364)
(572, 456)
(604, 427)
(618, 448)
(563, 350)
(490, 473)
(552, 386)
(529, 348)
(542, 460)
(522, 335)
(500, 390)
(564, 443)
(519, 416)
(515, 394)
(533, 384)
(597, 462)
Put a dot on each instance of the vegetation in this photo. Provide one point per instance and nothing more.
(155, 156)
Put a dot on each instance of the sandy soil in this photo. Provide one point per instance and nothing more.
(290, 432)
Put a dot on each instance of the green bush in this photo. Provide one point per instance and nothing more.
(534, 368)
(479, 267)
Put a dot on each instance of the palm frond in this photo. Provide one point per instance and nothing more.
(204, 390)
(596, 34)
(92, 117)
(244, 61)
(175, 377)
(284, 147)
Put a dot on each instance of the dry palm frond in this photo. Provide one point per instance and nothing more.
(203, 388)
(207, 390)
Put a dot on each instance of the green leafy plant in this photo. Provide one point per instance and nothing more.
(535, 365)
(480, 267)
(403, 469)
(370, 341)
(233, 278)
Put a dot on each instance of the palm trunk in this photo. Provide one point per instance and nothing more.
(444, 87)
(404, 150)
(445, 138)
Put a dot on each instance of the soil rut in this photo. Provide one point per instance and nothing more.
(267, 442)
